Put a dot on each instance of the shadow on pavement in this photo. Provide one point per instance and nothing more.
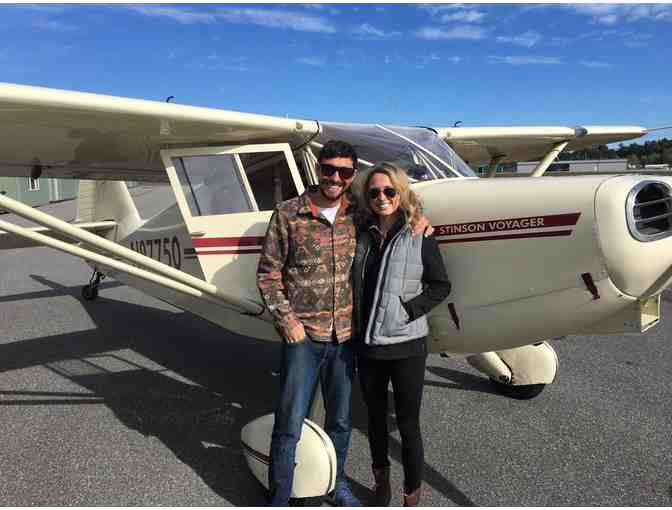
(193, 386)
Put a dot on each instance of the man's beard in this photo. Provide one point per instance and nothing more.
(329, 183)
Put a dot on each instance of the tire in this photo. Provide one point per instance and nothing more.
(521, 392)
(89, 292)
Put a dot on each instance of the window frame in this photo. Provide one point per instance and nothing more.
(167, 156)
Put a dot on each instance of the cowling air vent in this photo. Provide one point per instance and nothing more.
(649, 211)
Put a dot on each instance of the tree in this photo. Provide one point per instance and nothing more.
(667, 156)
(633, 161)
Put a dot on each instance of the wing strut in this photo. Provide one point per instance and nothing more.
(167, 276)
(548, 159)
(492, 167)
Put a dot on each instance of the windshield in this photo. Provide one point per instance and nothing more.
(423, 154)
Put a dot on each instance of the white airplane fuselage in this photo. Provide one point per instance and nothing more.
(529, 259)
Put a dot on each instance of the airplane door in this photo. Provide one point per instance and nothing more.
(227, 196)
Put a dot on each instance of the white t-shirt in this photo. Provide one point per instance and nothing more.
(329, 213)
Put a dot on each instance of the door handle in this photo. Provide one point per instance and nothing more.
(196, 234)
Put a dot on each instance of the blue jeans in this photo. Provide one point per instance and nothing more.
(301, 365)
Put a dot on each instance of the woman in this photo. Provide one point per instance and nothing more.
(398, 279)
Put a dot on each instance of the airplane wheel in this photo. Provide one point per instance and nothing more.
(89, 292)
(521, 392)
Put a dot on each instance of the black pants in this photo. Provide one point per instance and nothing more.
(408, 377)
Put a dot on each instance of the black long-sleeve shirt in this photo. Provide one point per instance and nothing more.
(436, 288)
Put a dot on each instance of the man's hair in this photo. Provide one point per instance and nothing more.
(338, 149)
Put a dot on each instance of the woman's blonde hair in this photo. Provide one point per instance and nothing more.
(409, 202)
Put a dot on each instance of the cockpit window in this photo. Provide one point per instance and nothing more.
(423, 154)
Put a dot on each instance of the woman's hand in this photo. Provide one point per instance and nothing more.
(423, 225)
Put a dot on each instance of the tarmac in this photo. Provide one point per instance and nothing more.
(129, 401)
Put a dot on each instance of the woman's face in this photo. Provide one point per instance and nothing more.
(383, 199)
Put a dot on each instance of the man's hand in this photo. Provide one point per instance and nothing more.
(296, 334)
(423, 225)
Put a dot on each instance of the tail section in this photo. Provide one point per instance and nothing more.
(108, 201)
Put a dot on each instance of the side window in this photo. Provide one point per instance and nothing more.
(213, 185)
(269, 177)
(233, 180)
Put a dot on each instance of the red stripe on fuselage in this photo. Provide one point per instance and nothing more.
(229, 252)
(554, 233)
(220, 242)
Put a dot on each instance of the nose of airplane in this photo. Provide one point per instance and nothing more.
(634, 229)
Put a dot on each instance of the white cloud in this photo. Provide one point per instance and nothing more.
(637, 40)
(269, 18)
(184, 16)
(395, 58)
(469, 16)
(312, 61)
(368, 31)
(44, 8)
(446, 13)
(321, 7)
(656, 98)
(521, 60)
(437, 9)
(214, 62)
(55, 25)
(595, 63)
(424, 60)
(608, 19)
(526, 39)
(459, 32)
(629, 38)
(611, 14)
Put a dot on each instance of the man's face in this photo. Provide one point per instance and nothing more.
(333, 186)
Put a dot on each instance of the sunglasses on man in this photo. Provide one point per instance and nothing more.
(344, 172)
(387, 191)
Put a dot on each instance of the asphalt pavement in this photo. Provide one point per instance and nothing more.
(130, 401)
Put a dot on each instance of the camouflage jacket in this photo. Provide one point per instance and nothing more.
(304, 269)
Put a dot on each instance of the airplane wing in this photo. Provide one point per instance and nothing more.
(57, 133)
(480, 145)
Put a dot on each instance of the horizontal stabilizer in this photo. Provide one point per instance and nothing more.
(9, 241)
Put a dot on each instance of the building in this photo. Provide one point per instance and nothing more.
(36, 192)
(586, 165)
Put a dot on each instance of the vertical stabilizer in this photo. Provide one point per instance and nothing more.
(108, 200)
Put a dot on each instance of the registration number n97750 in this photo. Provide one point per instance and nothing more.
(163, 249)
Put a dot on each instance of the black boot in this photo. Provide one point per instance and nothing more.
(412, 499)
(382, 489)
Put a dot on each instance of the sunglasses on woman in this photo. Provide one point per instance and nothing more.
(344, 172)
(388, 192)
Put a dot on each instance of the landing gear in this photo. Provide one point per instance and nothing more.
(90, 290)
(519, 392)
(520, 373)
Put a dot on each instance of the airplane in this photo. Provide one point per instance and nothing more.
(530, 259)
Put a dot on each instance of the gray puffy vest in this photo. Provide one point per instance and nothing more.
(399, 278)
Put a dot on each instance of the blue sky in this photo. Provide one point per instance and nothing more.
(417, 64)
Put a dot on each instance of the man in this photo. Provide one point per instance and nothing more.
(304, 279)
